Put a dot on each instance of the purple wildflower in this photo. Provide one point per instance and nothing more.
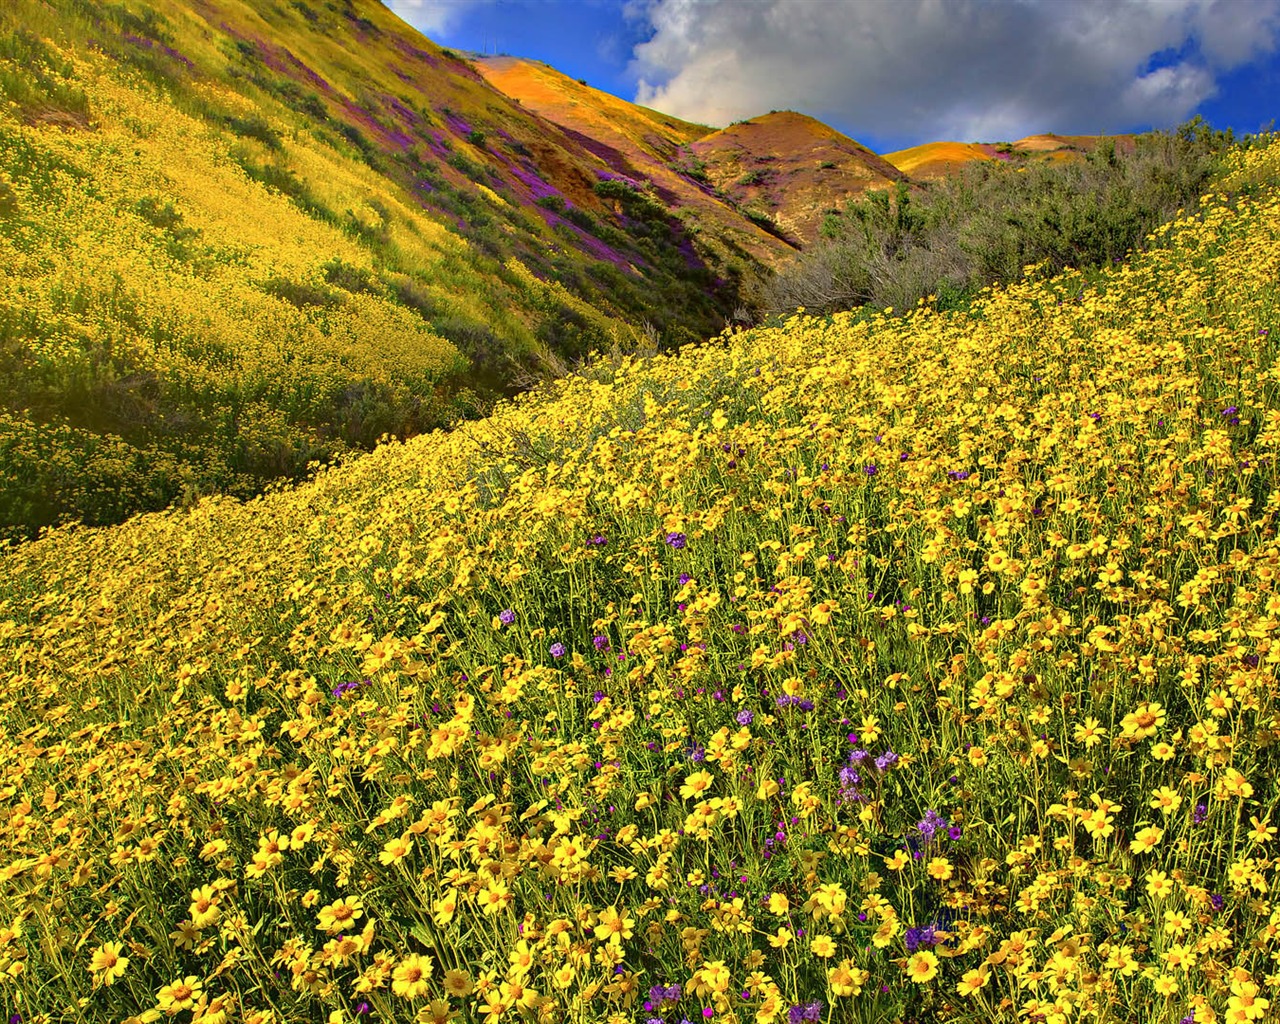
(931, 824)
(744, 717)
(677, 540)
(886, 760)
(557, 650)
(507, 616)
(805, 1012)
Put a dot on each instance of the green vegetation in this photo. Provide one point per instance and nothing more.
(231, 248)
(858, 669)
(950, 239)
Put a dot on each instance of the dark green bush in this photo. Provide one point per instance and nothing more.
(952, 238)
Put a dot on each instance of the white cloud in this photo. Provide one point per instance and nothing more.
(432, 17)
(914, 70)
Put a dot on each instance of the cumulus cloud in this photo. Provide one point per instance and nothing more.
(916, 70)
(432, 17)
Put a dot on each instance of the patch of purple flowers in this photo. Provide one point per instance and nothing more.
(931, 825)
(344, 688)
(662, 996)
(917, 937)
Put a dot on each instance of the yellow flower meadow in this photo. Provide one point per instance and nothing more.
(939, 669)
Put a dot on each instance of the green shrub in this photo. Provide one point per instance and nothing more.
(952, 238)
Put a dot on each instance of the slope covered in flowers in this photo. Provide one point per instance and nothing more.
(861, 669)
(239, 237)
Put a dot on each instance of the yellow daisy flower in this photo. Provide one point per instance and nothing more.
(107, 963)
(180, 995)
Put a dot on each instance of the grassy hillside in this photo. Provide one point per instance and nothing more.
(236, 238)
(787, 170)
(858, 669)
(643, 145)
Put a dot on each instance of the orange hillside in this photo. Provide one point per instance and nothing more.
(938, 159)
(792, 169)
(637, 144)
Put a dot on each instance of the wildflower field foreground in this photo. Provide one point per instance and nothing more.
(868, 668)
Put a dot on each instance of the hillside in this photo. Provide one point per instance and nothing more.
(861, 668)
(643, 146)
(788, 170)
(940, 159)
(235, 238)
(943, 159)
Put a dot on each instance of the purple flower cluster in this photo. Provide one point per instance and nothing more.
(805, 1011)
(851, 777)
(931, 824)
(661, 997)
(557, 650)
(1231, 414)
(677, 540)
(744, 717)
(507, 616)
(885, 761)
(786, 701)
(345, 688)
(917, 937)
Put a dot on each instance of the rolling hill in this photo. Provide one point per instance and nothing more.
(787, 170)
(949, 640)
(942, 159)
(236, 238)
(641, 146)
(240, 239)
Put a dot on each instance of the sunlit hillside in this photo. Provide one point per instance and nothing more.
(237, 237)
(936, 159)
(864, 668)
(640, 145)
(789, 170)
(941, 159)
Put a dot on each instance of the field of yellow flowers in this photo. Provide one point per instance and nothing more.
(914, 668)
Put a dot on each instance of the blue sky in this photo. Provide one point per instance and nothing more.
(894, 73)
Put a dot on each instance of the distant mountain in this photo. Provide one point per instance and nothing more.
(941, 159)
(789, 169)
